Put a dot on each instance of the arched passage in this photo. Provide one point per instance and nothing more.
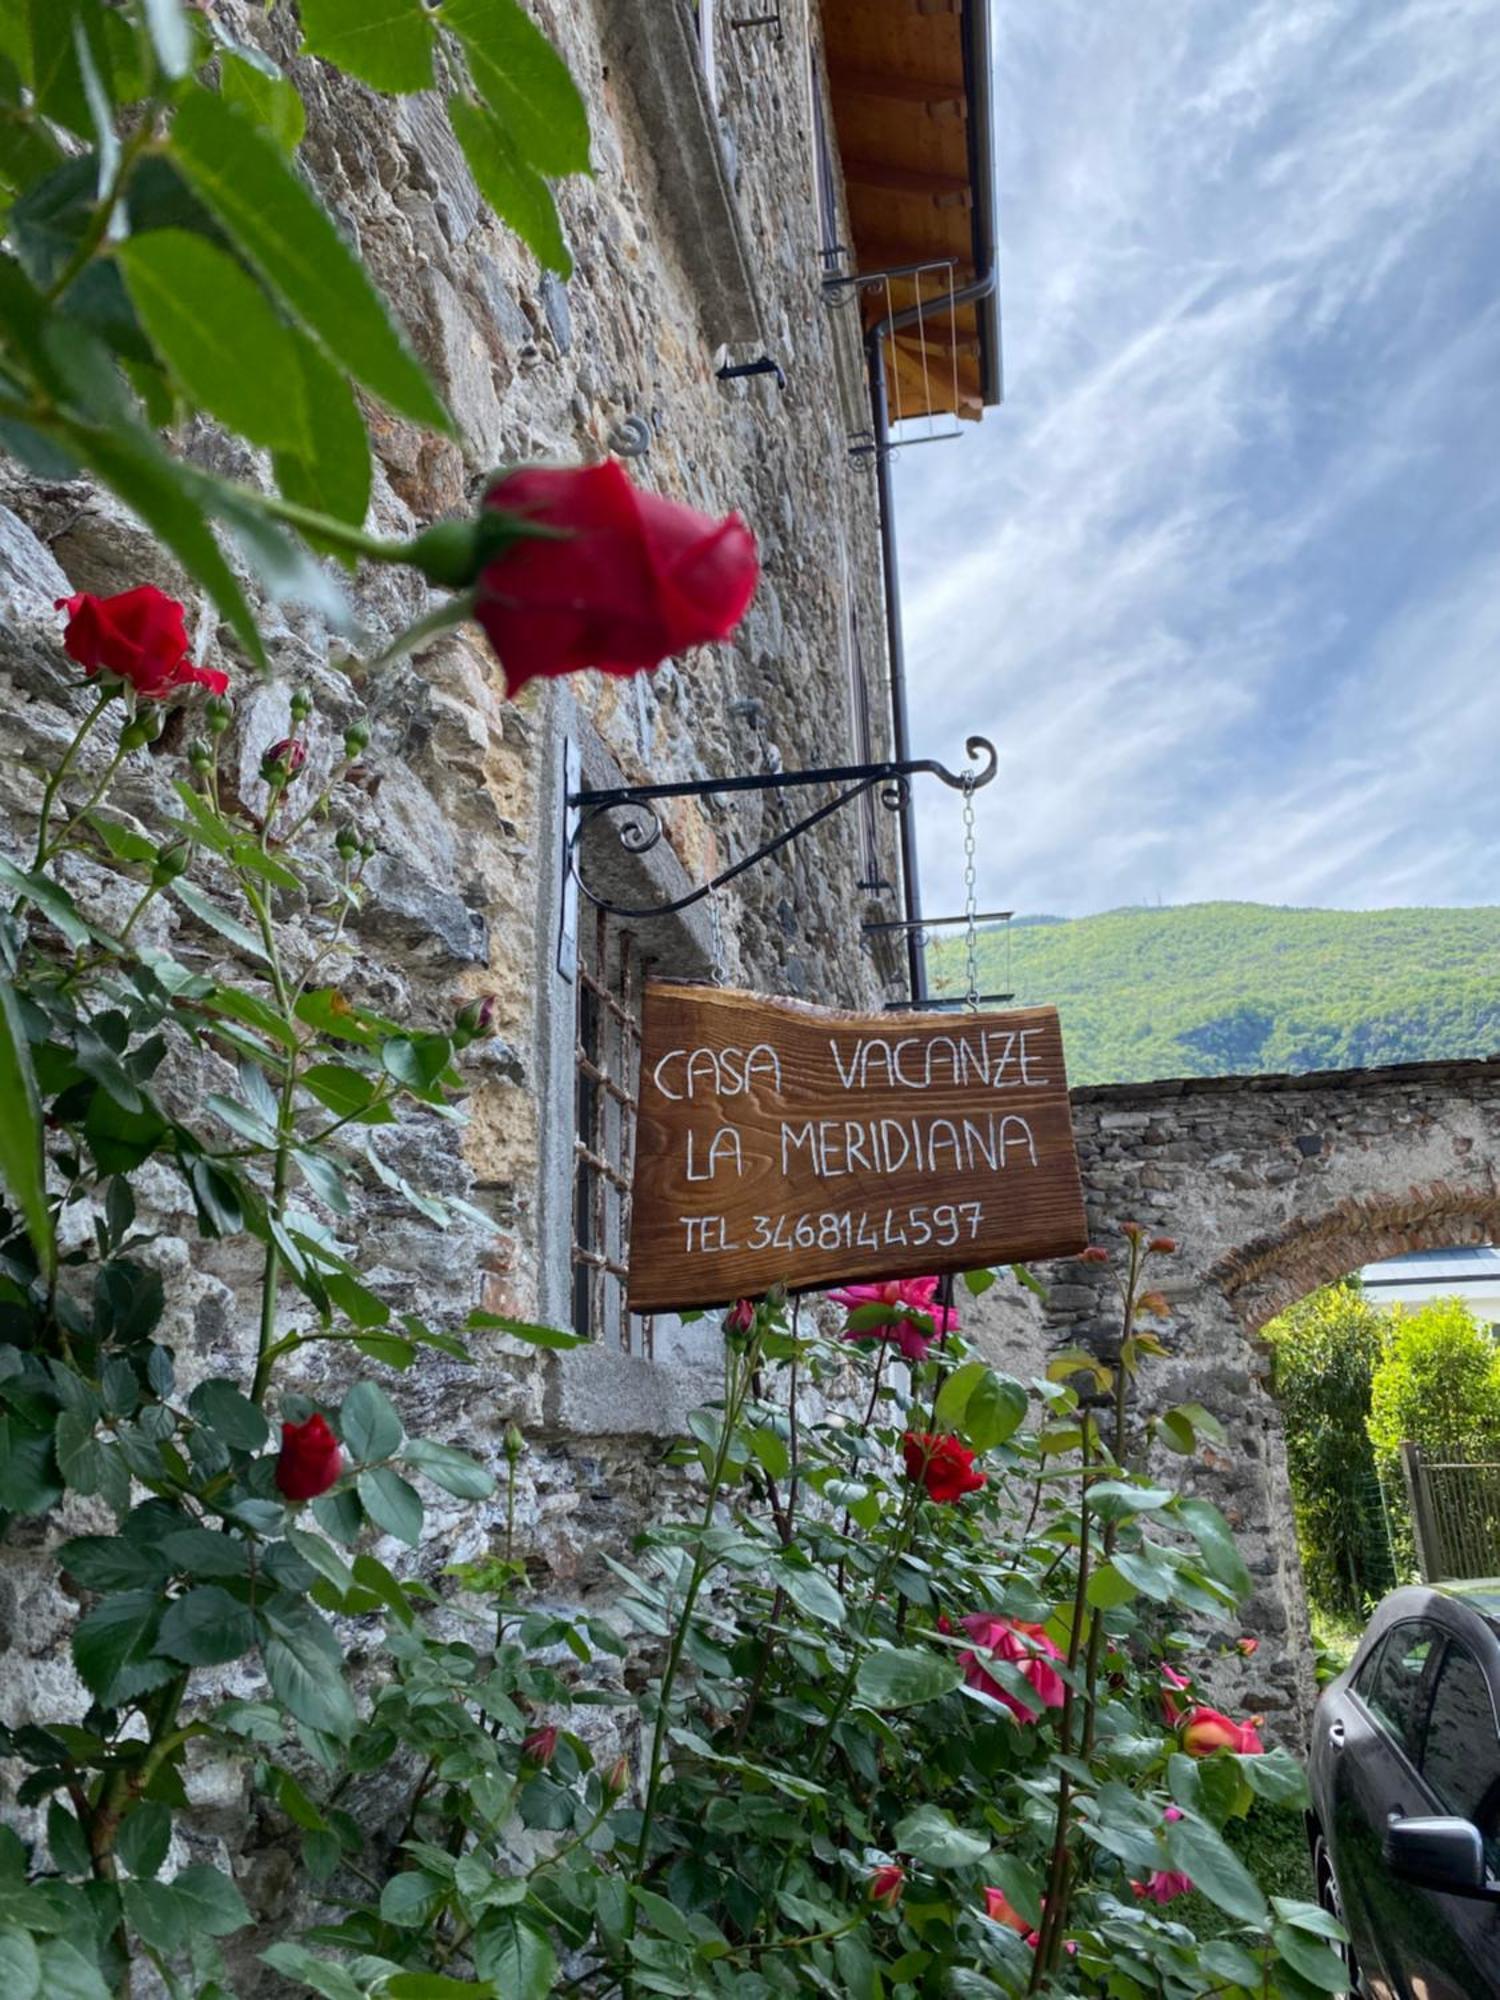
(1272, 1185)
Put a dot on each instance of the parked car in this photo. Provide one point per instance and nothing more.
(1405, 1778)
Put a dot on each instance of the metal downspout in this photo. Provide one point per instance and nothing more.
(981, 287)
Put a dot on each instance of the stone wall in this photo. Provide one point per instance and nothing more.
(1272, 1185)
(459, 786)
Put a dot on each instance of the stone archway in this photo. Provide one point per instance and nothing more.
(1272, 1185)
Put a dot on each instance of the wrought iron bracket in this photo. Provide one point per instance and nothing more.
(640, 833)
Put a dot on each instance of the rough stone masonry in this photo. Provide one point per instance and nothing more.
(461, 794)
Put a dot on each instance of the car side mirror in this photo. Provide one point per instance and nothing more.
(1442, 1854)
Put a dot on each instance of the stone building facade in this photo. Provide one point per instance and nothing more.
(698, 239)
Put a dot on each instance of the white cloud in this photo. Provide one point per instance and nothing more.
(1217, 578)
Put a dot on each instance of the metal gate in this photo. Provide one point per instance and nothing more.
(1455, 1515)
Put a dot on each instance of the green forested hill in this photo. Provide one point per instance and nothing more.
(1214, 989)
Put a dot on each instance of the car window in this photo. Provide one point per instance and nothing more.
(1390, 1682)
(1461, 1757)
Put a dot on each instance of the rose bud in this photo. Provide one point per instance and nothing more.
(1247, 1645)
(540, 1747)
(170, 863)
(283, 761)
(1095, 1254)
(346, 844)
(617, 1777)
(218, 714)
(356, 740)
(515, 1443)
(200, 757)
(474, 1019)
(1164, 1246)
(886, 1884)
(1132, 1231)
(137, 636)
(309, 1461)
(301, 705)
(141, 730)
(740, 1317)
(616, 579)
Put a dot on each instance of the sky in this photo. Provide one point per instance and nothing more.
(1221, 578)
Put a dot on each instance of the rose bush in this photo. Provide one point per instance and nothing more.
(879, 1705)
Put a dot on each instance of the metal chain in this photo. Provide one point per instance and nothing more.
(971, 905)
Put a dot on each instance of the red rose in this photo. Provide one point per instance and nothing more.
(1208, 1729)
(310, 1459)
(740, 1317)
(137, 636)
(627, 580)
(944, 1465)
(886, 1884)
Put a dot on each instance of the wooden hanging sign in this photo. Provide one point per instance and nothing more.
(778, 1143)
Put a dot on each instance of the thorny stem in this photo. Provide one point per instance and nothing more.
(271, 1268)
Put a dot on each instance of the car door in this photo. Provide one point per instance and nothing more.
(1455, 1946)
(1375, 1736)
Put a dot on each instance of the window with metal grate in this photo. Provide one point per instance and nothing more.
(607, 1080)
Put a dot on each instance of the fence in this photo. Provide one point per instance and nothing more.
(1455, 1515)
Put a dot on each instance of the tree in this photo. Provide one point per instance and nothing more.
(1437, 1385)
(1326, 1350)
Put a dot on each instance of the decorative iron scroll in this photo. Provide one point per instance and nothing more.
(640, 832)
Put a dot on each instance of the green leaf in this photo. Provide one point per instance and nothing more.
(524, 81)
(1309, 1917)
(515, 191)
(170, 35)
(811, 1592)
(996, 1407)
(1314, 1962)
(977, 1283)
(435, 1986)
(21, 1156)
(144, 1837)
(1276, 1776)
(209, 913)
(931, 1835)
(520, 1329)
(385, 43)
(1109, 1587)
(324, 1177)
(411, 1898)
(266, 97)
(896, 1677)
(230, 1413)
(68, 1975)
(206, 1627)
(334, 475)
(369, 1423)
(464, 1477)
(323, 1558)
(346, 1092)
(308, 1685)
(20, 1967)
(113, 1648)
(214, 1906)
(1149, 1575)
(323, 1975)
(1214, 1869)
(953, 1397)
(356, 1301)
(294, 245)
(217, 333)
(1111, 1499)
(52, 900)
(518, 1961)
(391, 1503)
(109, 1562)
(1215, 1540)
(416, 1060)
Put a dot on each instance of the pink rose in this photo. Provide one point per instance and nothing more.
(918, 1321)
(1024, 1646)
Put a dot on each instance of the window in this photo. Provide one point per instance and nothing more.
(704, 11)
(607, 1078)
(1461, 1757)
(1392, 1683)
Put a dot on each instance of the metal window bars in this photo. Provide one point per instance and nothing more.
(927, 350)
(607, 1064)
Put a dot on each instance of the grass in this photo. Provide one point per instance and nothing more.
(1272, 1843)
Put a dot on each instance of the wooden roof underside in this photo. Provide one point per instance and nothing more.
(906, 127)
